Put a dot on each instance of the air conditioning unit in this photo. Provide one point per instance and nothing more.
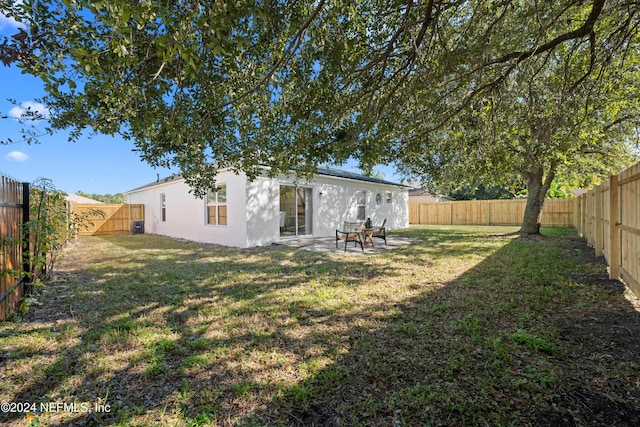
(137, 227)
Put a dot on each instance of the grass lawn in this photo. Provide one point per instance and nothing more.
(472, 326)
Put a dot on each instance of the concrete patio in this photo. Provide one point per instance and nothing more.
(328, 245)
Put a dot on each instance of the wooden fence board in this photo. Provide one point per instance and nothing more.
(605, 227)
(555, 213)
(610, 222)
(629, 182)
(13, 287)
(116, 220)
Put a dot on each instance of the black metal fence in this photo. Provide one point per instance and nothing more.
(14, 256)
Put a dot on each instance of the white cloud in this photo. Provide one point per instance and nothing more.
(15, 112)
(6, 22)
(29, 106)
(17, 156)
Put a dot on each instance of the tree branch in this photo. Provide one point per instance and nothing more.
(592, 60)
(584, 30)
(286, 57)
(411, 57)
(621, 120)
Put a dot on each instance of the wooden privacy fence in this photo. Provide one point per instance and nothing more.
(555, 212)
(109, 218)
(608, 216)
(14, 261)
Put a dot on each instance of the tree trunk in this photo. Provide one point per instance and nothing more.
(536, 192)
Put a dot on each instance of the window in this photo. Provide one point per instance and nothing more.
(217, 205)
(388, 197)
(163, 207)
(361, 202)
(378, 198)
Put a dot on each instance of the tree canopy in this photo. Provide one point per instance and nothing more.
(104, 198)
(497, 90)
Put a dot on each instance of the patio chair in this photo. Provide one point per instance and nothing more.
(380, 232)
(351, 232)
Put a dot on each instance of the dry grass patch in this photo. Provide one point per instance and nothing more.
(473, 326)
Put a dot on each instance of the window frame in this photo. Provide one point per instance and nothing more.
(219, 205)
(163, 207)
(361, 205)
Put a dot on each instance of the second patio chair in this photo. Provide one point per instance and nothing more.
(380, 232)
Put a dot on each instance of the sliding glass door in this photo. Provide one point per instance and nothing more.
(295, 211)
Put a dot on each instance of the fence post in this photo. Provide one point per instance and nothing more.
(585, 213)
(599, 234)
(488, 212)
(576, 215)
(580, 215)
(614, 231)
(26, 244)
(450, 213)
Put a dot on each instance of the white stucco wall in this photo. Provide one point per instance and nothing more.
(338, 203)
(263, 212)
(334, 201)
(254, 208)
(186, 214)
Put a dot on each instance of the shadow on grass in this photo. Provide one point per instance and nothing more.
(461, 329)
(138, 325)
(536, 334)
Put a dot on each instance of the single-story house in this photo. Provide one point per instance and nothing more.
(74, 198)
(243, 213)
(417, 195)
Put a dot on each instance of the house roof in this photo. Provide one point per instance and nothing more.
(322, 171)
(159, 181)
(418, 192)
(337, 173)
(81, 199)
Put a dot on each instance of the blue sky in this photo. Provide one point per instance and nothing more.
(96, 165)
